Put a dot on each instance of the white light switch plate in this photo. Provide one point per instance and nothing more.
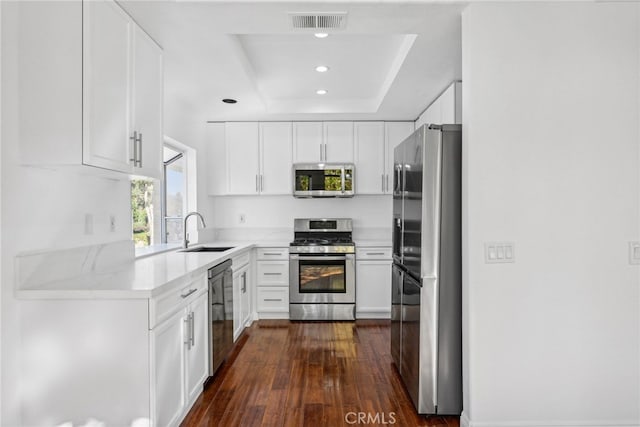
(499, 252)
(634, 252)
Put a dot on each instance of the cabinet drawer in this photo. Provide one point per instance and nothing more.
(163, 306)
(272, 299)
(239, 261)
(382, 252)
(273, 253)
(273, 273)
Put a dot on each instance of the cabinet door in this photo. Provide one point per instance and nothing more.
(198, 352)
(242, 145)
(106, 86)
(245, 306)
(237, 304)
(373, 289)
(307, 142)
(167, 347)
(370, 166)
(216, 159)
(338, 139)
(275, 157)
(395, 133)
(147, 103)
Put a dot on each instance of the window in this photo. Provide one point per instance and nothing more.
(158, 207)
(173, 200)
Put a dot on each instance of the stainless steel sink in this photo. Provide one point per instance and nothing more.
(207, 249)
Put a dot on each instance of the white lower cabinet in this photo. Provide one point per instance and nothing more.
(373, 283)
(242, 317)
(121, 361)
(197, 358)
(179, 359)
(168, 373)
(272, 283)
(241, 301)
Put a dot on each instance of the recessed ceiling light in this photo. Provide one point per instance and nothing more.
(321, 92)
(322, 68)
(229, 101)
(321, 35)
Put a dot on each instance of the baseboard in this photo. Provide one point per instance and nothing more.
(273, 315)
(372, 313)
(466, 422)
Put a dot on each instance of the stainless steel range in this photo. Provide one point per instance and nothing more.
(322, 274)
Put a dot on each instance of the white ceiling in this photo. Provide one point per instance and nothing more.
(389, 63)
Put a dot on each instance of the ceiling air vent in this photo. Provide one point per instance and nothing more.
(318, 21)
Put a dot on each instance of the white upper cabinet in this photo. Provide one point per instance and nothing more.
(98, 81)
(370, 160)
(147, 103)
(258, 158)
(107, 58)
(315, 142)
(275, 158)
(243, 157)
(394, 134)
(338, 142)
(216, 159)
(308, 142)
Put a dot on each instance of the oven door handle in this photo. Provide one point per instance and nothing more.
(321, 257)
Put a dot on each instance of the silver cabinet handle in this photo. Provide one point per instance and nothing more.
(321, 159)
(261, 183)
(192, 338)
(272, 274)
(139, 150)
(325, 152)
(257, 184)
(244, 282)
(134, 148)
(382, 176)
(191, 291)
(187, 334)
(273, 299)
(272, 253)
(375, 253)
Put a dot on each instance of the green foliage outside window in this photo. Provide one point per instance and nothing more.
(142, 211)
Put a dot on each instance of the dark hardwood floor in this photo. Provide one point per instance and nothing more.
(283, 373)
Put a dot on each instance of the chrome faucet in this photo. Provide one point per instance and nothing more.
(185, 242)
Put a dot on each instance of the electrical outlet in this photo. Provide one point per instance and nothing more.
(634, 252)
(242, 218)
(499, 252)
(88, 224)
(112, 223)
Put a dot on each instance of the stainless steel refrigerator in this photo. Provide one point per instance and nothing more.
(426, 312)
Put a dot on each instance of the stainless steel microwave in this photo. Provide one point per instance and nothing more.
(323, 180)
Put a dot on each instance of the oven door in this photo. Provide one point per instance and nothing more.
(322, 278)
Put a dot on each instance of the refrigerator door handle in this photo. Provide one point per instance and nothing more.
(430, 285)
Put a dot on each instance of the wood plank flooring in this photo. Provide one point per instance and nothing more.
(283, 373)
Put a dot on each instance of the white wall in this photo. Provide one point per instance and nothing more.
(279, 211)
(552, 160)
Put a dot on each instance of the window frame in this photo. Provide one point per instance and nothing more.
(163, 197)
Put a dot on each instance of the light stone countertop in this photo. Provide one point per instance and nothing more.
(143, 278)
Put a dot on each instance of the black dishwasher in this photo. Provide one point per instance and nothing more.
(220, 314)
